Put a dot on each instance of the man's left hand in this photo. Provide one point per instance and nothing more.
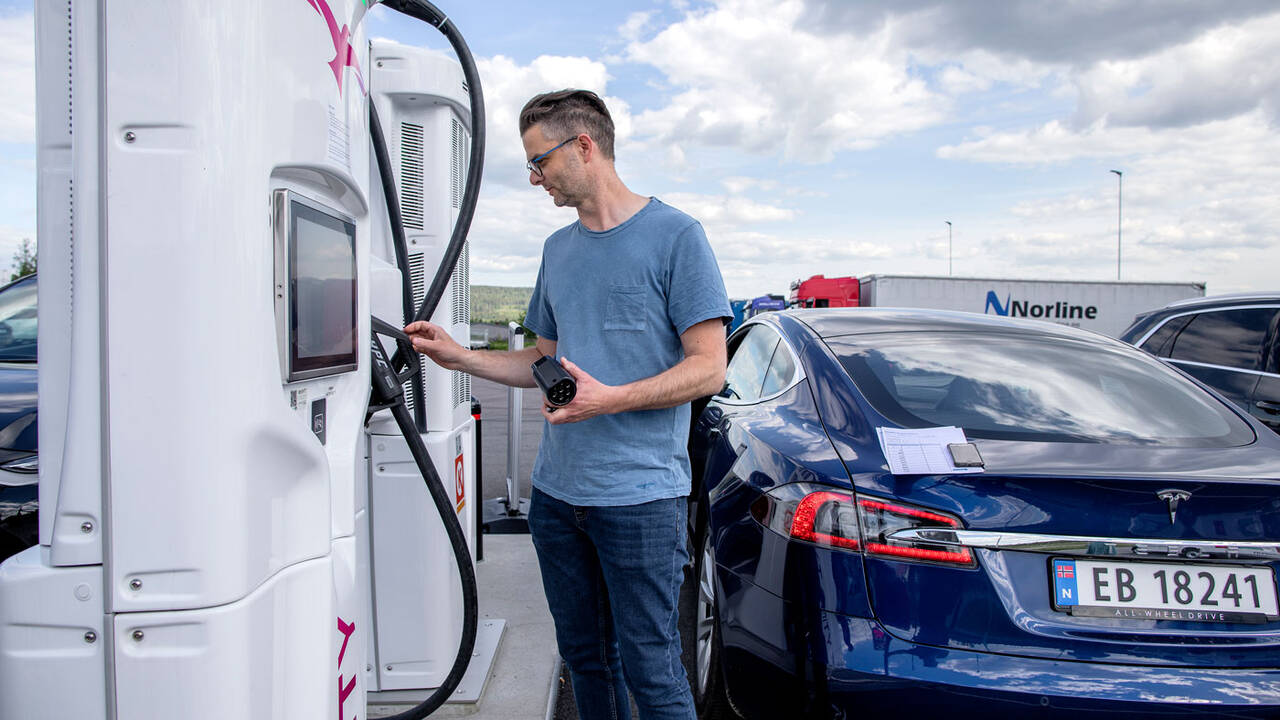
(593, 398)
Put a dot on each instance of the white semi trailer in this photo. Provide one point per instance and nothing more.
(1105, 307)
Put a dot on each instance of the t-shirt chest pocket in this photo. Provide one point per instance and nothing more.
(625, 308)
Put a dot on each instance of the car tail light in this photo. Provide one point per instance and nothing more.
(844, 520)
(880, 519)
(826, 518)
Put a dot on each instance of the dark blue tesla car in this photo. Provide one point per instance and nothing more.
(1115, 553)
(18, 443)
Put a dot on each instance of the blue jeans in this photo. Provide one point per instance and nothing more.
(612, 576)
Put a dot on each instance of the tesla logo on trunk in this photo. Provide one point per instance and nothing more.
(1173, 497)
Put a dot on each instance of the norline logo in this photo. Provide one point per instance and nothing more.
(1060, 310)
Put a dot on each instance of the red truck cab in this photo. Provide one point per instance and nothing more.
(819, 291)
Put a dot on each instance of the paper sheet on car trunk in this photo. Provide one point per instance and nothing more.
(921, 451)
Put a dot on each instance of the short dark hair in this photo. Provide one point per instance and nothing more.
(565, 113)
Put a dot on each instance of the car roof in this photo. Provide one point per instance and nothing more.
(832, 322)
(1231, 299)
(18, 281)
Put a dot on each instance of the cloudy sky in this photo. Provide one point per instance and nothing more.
(838, 137)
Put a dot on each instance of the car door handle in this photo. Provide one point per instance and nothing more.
(1271, 407)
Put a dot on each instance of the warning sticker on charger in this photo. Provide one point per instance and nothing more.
(459, 484)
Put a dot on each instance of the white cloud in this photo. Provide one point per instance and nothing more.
(511, 225)
(636, 23)
(17, 78)
(754, 262)
(739, 184)
(1199, 203)
(1225, 72)
(977, 70)
(1046, 32)
(676, 158)
(509, 85)
(1187, 107)
(507, 233)
(1191, 123)
(959, 81)
(750, 79)
(1050, 143)
(729, 211)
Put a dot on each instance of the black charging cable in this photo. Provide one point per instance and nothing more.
(387, 393)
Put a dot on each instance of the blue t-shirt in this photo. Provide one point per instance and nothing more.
(616, 303)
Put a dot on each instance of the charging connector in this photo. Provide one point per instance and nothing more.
(557, 384)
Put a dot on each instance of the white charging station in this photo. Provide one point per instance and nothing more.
(422, 103)
(220, 535)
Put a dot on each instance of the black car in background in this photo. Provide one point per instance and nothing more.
(1229, 342)
(18, 450)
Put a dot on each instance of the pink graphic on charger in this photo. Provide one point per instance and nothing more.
(345, 55)
(344, 691)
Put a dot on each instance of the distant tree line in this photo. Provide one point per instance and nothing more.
(497, 305)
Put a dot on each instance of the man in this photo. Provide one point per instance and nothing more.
(631, 299)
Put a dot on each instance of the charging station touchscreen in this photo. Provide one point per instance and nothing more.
(322, 279)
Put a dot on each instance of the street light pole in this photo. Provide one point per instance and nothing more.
(948, 222)
(1119, 216)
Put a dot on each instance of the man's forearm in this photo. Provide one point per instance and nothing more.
(508, 368)
(693, 377)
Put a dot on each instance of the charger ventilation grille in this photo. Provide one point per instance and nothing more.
(411, 161)
(461, 283)
(458, 165)
(461, 389)
(417, 278)
(418, 289)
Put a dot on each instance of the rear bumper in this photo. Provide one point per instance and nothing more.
(1018, 682)
(833, 666)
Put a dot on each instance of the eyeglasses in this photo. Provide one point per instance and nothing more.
(535, 165)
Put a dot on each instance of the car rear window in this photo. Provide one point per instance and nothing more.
(1160, 340)
(1229, 338)
(746, 372)
(1023, 387)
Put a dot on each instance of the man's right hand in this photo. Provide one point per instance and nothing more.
(508, 368)
(432, 340)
